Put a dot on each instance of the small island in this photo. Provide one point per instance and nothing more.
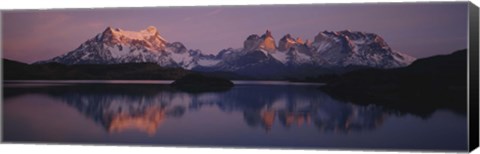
(201, 83)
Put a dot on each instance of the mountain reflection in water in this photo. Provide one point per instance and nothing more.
(246, 115)
(144, 107)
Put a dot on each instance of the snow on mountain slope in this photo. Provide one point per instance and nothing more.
(259, 55)
(346, 48)
(115, 45)
(286, 42)
(330, 50)
(265, 42)
(281, 56)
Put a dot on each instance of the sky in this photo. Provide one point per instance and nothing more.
(417, 29)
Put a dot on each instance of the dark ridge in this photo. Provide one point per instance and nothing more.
(428, 84)
(55, 71)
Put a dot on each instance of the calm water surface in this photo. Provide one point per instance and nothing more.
(265, 114)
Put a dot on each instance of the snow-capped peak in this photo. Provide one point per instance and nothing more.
(264, 43)
(115, 45)
(299, 40)
(268, 42)
(286, 42)
(268, 33)
(150, 34)
(344, 48)
(331, 50)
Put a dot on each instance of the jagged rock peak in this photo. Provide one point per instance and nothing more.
(251, 42)
(344, 34)
(152, 29)
(286, 42)
(149, 32)
(108, 29)
(268, 33)
(288, 36)
(253, 37)
(299, 40)
(322, 36)
(267, 42)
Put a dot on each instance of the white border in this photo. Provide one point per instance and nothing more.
(82, 149)
(48, 4)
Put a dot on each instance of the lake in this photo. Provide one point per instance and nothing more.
(252, 114)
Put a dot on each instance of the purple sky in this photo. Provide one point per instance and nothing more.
(418, 29)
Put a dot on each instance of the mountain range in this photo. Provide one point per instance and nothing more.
(260, 56)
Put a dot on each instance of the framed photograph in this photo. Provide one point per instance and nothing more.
(373, 76)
